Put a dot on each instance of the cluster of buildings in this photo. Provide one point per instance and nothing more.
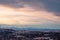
(9, 34)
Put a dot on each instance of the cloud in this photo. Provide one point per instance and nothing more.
(26, 16)
(29, 12)
(48, 5)
(52, 6)
(12, 16)
(12, 3)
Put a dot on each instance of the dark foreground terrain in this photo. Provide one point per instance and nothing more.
(9, 34)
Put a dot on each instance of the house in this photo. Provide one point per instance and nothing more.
(43, 38)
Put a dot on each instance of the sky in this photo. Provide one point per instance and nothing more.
(33, 13)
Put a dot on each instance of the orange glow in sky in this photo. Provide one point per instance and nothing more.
(25, 16)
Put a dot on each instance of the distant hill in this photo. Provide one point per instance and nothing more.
(19, 27)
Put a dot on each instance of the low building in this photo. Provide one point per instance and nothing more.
(43, 38)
